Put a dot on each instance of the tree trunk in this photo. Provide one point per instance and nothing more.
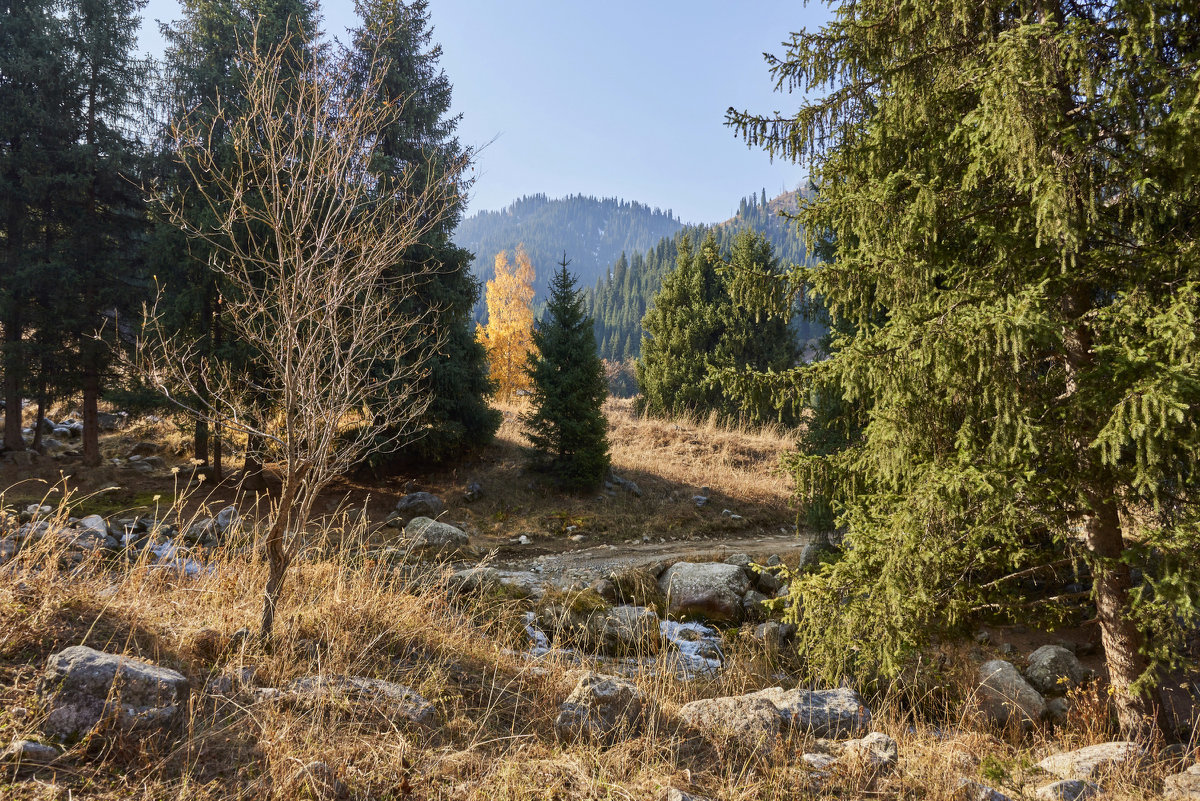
(252, 469)
(13, 440)
(1140, 713)
(200, 442)
(91, 416)
(278, 554)
(41, 415)
(218, 468)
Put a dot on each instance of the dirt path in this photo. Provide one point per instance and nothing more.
(605, 558)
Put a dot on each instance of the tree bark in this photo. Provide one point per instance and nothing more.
(91, 416)
(13, 440)
(252, 469)
(279, 555)
(200, 442)
(1140, 713)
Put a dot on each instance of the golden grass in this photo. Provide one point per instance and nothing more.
(356, 611)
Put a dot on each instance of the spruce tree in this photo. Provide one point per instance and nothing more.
(395, 38)
(565, 423)
(1013, 193)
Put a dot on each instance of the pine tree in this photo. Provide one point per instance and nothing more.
(565, 423)
(1013, 194)
(507, 336)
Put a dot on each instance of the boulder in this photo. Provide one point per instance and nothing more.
(1006, 697)
(1093, 762)
(679, 795)
(1052, 670)
(420, 504)
(815, 553)
(876, 751)
(226, 520)
(600, 708)
(820, 713)
(710, 590)
(1182, 786)
(774, 635)
(748, 723)
(82, 686)
(752, 606)
(628, 631)
(1067, 790)
(93, 525)
(430, 536)
(394, 702)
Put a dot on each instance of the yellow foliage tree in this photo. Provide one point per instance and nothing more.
(507, 337)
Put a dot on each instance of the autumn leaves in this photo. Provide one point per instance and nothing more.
(507, 337)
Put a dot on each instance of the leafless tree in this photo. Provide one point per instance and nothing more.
(307, 243)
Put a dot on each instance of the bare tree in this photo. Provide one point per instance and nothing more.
(307, 243)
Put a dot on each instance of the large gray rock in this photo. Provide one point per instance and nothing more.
(1006, 697)
(420, 504)
(674, 794)
(1053, 670)
(600, 709)
(394, 702)
(82, 686)
(432, 537)
(1182, 787)
(974, 791)
(629, 631)
(1093, 762)
(709, 590)
(748, 723)
(93, 525)
(831, 714)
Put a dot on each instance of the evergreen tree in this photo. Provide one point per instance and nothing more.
(395, 38)
(1013, 194)
(565, 423)
(694, 329)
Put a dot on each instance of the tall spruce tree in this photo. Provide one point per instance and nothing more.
(565, 423)
(395, 38)
(1014, 198)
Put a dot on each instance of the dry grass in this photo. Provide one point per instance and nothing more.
(351, 611)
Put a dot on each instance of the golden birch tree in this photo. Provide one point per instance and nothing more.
(508, 335)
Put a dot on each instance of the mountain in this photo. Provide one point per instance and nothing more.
(619, 298)
(593, 233)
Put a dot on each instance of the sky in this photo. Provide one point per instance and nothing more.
(620, 98)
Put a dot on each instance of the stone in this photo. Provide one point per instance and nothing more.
(876, 751)
(710, 590)
(1006, 697)
(226, 520)
(82, 686)
(819, 762)
(1052, 670)
(8, 549)
(1067, 790)
(974, 791)
(420, 504)
(474, 492)
(394, 702)
(767, 582)
(773, 634)
(600, 708)
(742, 560)
(433, 537)
(1091, 763)
(1182, 786)
(749, 723)
(628, 631)
(28, 752)
(700, 500)
(1057, 710)
(111, 422)
(93, 524)
(752, 605)
(816, 553)
(674, 794)
(820, 713)
(474, 581)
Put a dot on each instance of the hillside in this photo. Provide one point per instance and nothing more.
(619, 299)
(592, 231)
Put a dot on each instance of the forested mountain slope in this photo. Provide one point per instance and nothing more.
(593, 232)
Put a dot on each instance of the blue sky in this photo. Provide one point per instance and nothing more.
(614, 99)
